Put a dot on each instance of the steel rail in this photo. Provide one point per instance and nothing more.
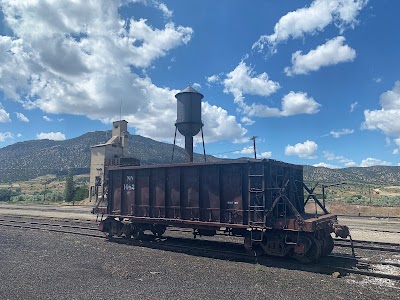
(33, 225)
(66, 220)
(367, 242)
(171, 245)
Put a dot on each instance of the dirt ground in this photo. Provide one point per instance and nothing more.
(341, 208)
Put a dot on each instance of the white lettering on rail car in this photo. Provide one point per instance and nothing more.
(130, 178)
(231, 202)
(129, 187)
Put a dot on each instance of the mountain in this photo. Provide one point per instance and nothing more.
(375, 174)
(29, 159)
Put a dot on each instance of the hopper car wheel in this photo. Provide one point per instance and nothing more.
(158, 230)
(327, 245)
(137, 232)
(313, 252)
(108, 234)
(109, 226)
(128, 229)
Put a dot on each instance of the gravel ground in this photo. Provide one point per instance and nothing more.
(46, 265)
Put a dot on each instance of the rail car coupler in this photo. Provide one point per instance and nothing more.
(341, 230)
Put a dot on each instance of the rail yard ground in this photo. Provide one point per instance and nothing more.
(38, 264)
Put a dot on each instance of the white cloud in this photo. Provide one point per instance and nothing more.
(331, 53)
(19, 135)
(45, 44)
(167, 13)
(155, 43)
(350, 164)
(4, 116)
(338, 134)
(341, 159)
(56, 136)
(353, 106)
(397, 141)
(46, 118)
(213, 79)
(267, 154)
(377, 80)
(311, 20)
(369, 162)
(79, 57)
(243, 80)
(241, 140)
(293, 103)
(218, 124)
(385, 119)
(260, 110)
(247, 121)
(325, 165)
(197, 85)
(391, 99)
(245, 150)
(306, 150)
(298, 103)
(5, 135)
(250, 150)
(22, 117)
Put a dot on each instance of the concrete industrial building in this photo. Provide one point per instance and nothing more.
(102, 154)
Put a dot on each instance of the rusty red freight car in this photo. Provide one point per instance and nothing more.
(261, 200)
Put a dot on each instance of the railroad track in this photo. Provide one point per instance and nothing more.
(53, 227)
(358, 244)
(368, 245)
(73, 209)
(375, 230)
(43, 218)
(216, 249)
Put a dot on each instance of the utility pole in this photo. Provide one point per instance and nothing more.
(254, 145)
(45, 190)
(326, 186)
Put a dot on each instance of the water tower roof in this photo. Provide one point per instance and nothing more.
(189, 89)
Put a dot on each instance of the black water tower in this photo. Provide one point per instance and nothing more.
(188, 119)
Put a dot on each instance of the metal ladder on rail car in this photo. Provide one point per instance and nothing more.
(256, 203)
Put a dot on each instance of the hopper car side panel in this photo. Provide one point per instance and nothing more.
(210, 192)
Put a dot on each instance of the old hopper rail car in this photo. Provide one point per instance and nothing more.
(260, 200)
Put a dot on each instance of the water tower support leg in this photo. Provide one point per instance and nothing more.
(173, 148)
(204, 148)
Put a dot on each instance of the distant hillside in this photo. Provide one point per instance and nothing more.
(27, 160)
(375, 174)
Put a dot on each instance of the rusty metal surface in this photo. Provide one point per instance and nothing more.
(310, 223)
(223, 192)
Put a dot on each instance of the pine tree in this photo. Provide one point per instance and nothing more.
(69, 188)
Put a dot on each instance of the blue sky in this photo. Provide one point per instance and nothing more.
(317, 81)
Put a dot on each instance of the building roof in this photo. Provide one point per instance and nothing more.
(189, 89)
